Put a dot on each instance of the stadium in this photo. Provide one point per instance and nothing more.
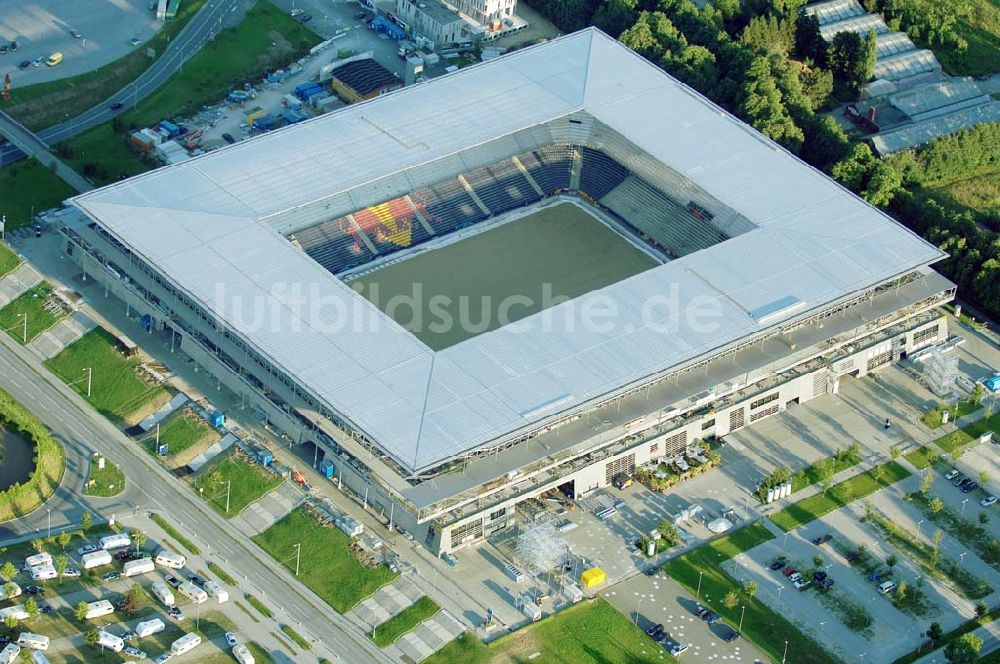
(535, 273)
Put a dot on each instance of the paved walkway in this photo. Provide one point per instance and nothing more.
(50, 342)
(18, 281)
(33, 146)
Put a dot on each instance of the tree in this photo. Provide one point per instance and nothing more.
(38, 545)
(902, 592)
(894, 452)
(10, 589)
(936, 505)
(984, 518)
(750, 588)
(60, 562)
(64, 538)
(851, 60)
(130, 604)
(138, 537)
(11, 623)
(31, 607)
(926, 480)
(8, 571)
(824, 470)
(817, 561)
(762, 106)
(92, 637)
(984, 478)
(964, 650)
(981, 609)
(731, 599)
(615, 16)
(891, 561)
(877, 472)
(81, 611)
(86, 521)
(809, 43)
(936, 547)
(935, 632)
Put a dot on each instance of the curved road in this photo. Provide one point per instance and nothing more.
(205, 24)
(152, 487)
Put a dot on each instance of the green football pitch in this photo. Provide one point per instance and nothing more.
(502, 275)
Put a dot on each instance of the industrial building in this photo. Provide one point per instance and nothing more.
(764, 283)
(434, 20)
(363, 79)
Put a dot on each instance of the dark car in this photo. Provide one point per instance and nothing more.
(34, 590)
(117, 106)
(305, 18)
(853, 556)
(24, 64)
(360, 15)
(4, 639)
(196, 579)
(822, 539)
(172, 580)
(228, 138)
(655, 630)
(138, 555)
(819, 576)
(826, 583)
(651, 571)
(778, 564)
(45, 607)
(124, 554)
(111, 576)
(127, 637)
(972, 486)
(3, 48)
(958, 481)
(13, 46)
(711, 617)
(730, 636)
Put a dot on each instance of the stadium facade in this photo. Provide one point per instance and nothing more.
(806, 284)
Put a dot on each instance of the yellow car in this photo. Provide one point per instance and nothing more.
(54, 59)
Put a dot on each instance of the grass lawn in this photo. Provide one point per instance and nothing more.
(9, 261)
(267, 37)
(28, 187)
(44, 104)
(932, 419)
(962, 437)
(49, 466)
(761, 625)
(327, 564)
(248, 482)
(404, 621)
(979, 23)
(31, 303)
(922, 457)
(260, 606)
(299, 640)
(838, 495)
(590, 632)
(104, 482)
(181, 430)
(980, 192)
(964, 628)
(116, 389)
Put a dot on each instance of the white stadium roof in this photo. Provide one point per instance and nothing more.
(204, 224)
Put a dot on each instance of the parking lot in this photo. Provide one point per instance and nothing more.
(43, 27)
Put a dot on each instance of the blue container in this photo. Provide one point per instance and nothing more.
(326, 468)
(264, 457)
(216, 419)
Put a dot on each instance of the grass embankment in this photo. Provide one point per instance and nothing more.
(31, 313)
(299, 640)
(244, 480)
(179, 431)
(948, 637)
(28, 187)
(104, 482)
(590, 632)
(43, 104)
(966, 531)
(9, 261)
(326, 564)
(176, 534)
(267, 37)
(922, 457)
(838, 495)
(116, 389)
(259, 605)
(761, 625)
(933, 419)
(404, 621)
(222, 574)
(50, 460)
(958, 439)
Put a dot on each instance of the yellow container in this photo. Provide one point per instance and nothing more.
(594, 576)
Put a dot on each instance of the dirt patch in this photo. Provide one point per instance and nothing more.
(520, 645)
(150, 407)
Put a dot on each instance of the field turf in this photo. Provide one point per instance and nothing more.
(502, 275)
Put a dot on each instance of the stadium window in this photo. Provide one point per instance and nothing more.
(763, 400)
(708, 425)
(497, 514)
(654, 448)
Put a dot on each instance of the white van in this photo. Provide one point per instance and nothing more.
(886, 587)
(37, 559)
(116, 541)
(43, 572)
(110, 641)
(149, 627)
(186, 643)
(33, 641)
(96, 559)
(170, 559)
(9, 654)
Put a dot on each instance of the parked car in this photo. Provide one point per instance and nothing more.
(3, 49)
(970, 487)
(34, 590)
(76, 34)
(730, 636)
(651, 571)
(988, 500)
(779, 563)
(85, 549)
(172, 580)
(117, 106)
(819, 576)
(127, 637)
(305, 18)
(822, 539)
(111, 576)
(196, 579)
(13, 46)
(164, 658)
(801, 583)
(789, 571)
(231, 638)
(959, 479)
(711, 617)
(175, 613)
(124, 554)
(826, 583)
(132, 651)
(134, 41)
(228, 138)
(37, 62)
(450, 559)
(72, 573)
(24, 64)
(951, 474)
(45, 607)
(678, 648)
(655, 630)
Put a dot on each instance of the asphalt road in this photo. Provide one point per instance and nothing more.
(208, 21)
(152, 488)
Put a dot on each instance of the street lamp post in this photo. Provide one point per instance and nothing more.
(785, 654)
(742, 611)
(637, 603)
(25, 335)
(961, 557)
(963, 506)
(90, 376)
(298, 556)
(698, 593)
(48, 512)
